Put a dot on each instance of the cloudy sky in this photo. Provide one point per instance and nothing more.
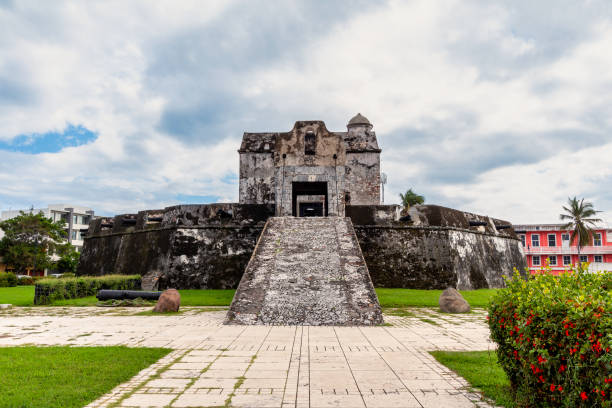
(500, 108)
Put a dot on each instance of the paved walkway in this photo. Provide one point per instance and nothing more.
(268, 366)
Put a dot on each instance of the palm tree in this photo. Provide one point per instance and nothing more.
(580, 221)
(411, 198)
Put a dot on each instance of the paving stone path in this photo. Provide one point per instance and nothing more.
(268, 366)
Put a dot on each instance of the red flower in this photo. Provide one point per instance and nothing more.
(552, 387)
(583, 396)
(561, 368)
(560, 388)
(541, 360)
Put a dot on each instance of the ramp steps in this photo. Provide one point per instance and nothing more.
(306, 271)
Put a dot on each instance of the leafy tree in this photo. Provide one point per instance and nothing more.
(29, 241)
(580, 221)
(411, 198)
(69, 258)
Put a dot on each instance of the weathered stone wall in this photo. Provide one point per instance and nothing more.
(436, 248)
(363, 178)
(209, 246)
(349, 162)
(257, 183)
(187, 246)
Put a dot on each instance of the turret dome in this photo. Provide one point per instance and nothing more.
(359, 120)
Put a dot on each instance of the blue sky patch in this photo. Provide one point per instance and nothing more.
(50, 142)
(197, 199)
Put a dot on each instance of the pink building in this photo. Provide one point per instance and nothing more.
(543, 242)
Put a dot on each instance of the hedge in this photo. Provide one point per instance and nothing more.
(8, 279)
(48, 290)
(554, 335)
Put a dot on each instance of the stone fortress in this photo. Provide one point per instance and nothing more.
(309, 237)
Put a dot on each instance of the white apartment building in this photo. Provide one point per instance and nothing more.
(76, 219)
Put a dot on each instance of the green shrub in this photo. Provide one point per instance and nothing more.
(48, 290)
(8, 279)
(26, 280)
(554, 335)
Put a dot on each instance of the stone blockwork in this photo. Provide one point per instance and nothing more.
(209, 246)
(186, 246)
(435, 247)
(275, 166)
(306, 271)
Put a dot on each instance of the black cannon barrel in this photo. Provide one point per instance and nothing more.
(129, 221)
(107, 294)
(504, 226)
(155, 219)
(474, 223)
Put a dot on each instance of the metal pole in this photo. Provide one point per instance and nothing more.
(337, 192)
(282, 184)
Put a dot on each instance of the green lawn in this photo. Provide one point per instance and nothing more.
(481, 370)
(24, 295)
(18, 295)
(67, 376)
(429, 298)
(211, 297)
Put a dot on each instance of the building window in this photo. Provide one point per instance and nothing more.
(597, 239)
(567, 259)
(310, 142)
(552, 240)
(74, 234)
(535, 240)
(584, 258)
(598, 258)
(535, 260)
(565, 237)
(522, 239)
(552, 260)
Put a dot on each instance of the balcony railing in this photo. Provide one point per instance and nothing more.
(560, 250)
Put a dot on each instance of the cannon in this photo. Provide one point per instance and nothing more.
(107, 294)
(503, 226)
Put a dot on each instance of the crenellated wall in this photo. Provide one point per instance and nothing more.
(209, 246)
(435, 247)
(186, 246)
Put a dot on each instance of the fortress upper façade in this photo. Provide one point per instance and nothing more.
(307, 171)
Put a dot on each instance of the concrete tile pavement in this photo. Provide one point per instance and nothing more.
(271, 366)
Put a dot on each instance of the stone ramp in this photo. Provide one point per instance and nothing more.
(306, 271)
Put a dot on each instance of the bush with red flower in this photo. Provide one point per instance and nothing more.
(554, 336)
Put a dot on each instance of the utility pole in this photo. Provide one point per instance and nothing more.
(383, 181)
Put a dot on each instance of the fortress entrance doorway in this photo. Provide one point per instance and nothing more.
(309, 199)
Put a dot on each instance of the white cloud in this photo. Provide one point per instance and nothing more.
(480, 106)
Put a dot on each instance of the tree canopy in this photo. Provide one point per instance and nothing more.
(579, 216)
(29, 241)
(411, 198)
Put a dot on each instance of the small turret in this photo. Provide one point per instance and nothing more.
(360, 136)
(359, 121)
